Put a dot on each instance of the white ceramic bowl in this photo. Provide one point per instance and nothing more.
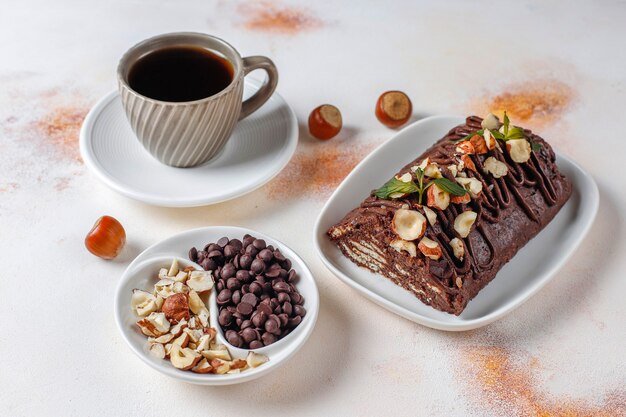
(142, 273)
(529, 270)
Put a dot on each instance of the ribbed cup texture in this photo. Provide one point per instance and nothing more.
(181, 134)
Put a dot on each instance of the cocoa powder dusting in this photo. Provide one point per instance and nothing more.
(269, 17)
(508, 387)
(60, 128)
(316, 170)
(535, 103)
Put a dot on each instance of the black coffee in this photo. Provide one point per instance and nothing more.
(181, 73)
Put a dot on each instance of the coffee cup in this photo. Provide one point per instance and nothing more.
(183, 94)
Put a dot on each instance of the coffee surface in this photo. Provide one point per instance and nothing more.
(181, 73)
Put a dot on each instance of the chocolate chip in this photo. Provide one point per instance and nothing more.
(296, 298)
(263, 307)
(273, 273)
(230, 251)
(245, 261)
(266, 255)
(224, 296)
(247, 240)
(255, 344)
(225, 318)
(292, 276)
(293, 322)
(272, 326)
(201, 255)
(243, 275)
(259, 319)
(281, 287)
(258, 266)
(286, 264)
(245, 324)
(283, 319)
(193, 254)
(287, 308)
(244, 308)
(236, 298)
(236, 244)
(223, 242)
(212, 246)
(278, 255)
(259, 244)
(252, 251)
(234, 338)
(233, 284)
(219, 285)
(268, 338)
(298, 310)
(248, 335)
(208, 264)
(250, 299)
(283, 297)
(214, 254)
(255, 288)
(228, 271)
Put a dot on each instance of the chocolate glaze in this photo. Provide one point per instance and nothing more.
(510, 211)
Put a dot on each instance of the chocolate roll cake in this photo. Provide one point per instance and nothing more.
(449, 221)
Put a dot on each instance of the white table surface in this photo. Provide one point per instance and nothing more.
(559, 67)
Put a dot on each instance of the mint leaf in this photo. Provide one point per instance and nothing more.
(506, 123)
(515, 133)
(393, 186)
(535, 146)
(496, 134)
(449, 186)
(467, 137)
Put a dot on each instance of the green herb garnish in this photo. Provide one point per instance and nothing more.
(468, 137)
(508, 133)
(449, 186)
(395, 186)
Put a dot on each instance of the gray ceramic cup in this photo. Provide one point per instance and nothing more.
(186, 134)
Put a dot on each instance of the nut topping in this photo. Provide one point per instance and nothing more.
(430, 215)
(519, 150)
(143, 303)
(200, 281)
(490, 122)
(496, 168)
(430, 248)
(457, 248)
(465, 148)
(479, 144)
(463, 223)
(437, 198)
(473, 186)
(402, 245)
(184, 358)
(408, 224)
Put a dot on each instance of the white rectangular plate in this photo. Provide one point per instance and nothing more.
(523, 276)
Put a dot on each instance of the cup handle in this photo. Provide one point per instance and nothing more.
(250, 64)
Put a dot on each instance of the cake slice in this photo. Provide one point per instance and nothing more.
(448, 222)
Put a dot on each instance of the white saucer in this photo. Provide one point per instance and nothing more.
(260, 147)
